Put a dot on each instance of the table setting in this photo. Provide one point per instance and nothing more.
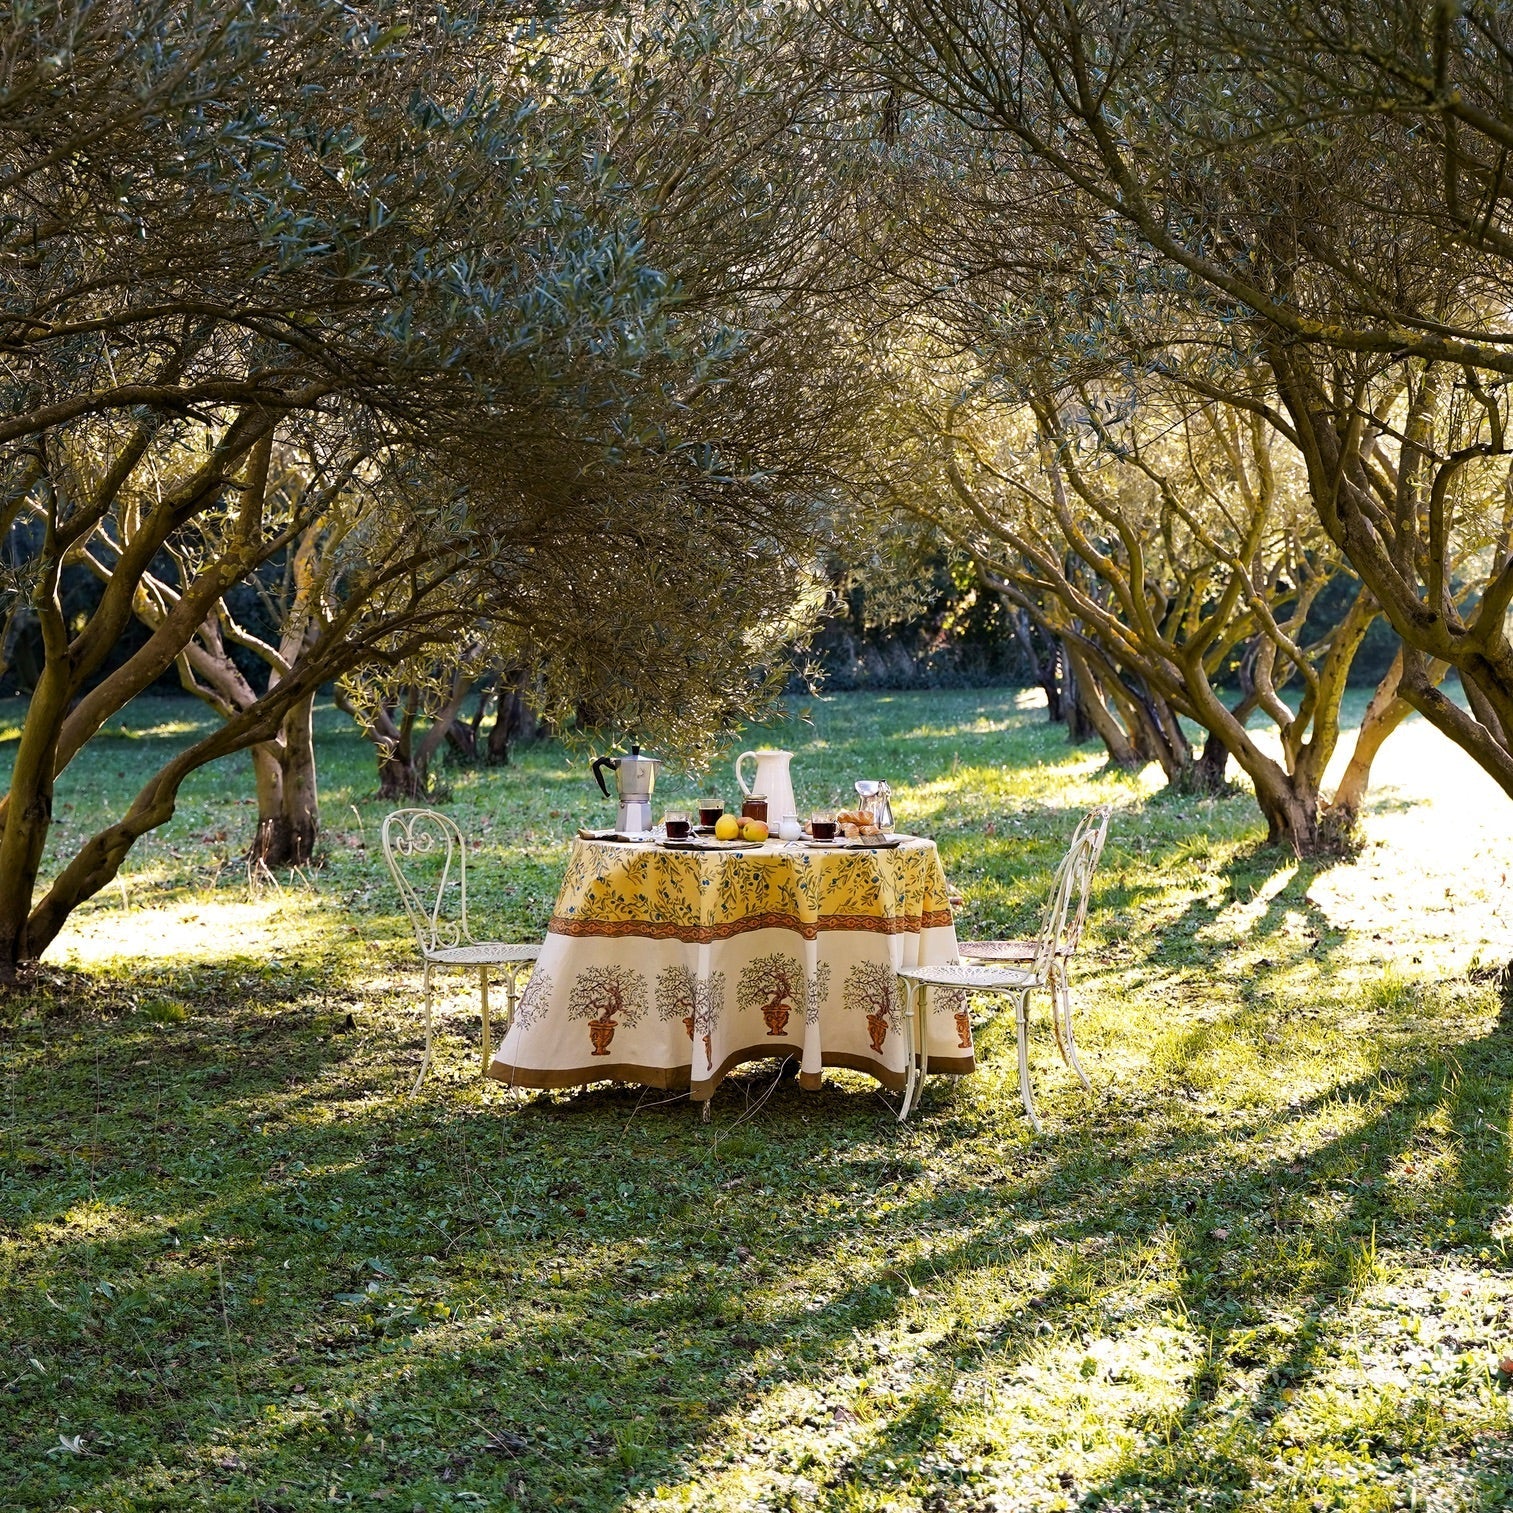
(678, 951)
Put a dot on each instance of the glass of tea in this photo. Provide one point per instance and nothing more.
(676, 823)
(754, 807)
(822, 825)
(710, 812)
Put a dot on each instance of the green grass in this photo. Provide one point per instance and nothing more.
(1265, 1264)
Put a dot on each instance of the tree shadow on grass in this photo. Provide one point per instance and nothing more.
(1268, 1328)
(551, 1295)
(549, 1299)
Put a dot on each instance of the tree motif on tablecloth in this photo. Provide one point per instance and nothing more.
(711, 1005)
(954, 1001)
(534, 1000)
(816, 991)
(680, 995)
(774, 984)
(872, 989)
(607, 997)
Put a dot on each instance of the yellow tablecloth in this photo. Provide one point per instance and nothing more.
(669, 968)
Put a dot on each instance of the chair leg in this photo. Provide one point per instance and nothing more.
(1069, 1040)
(1022, 1015)
(903, 1107)
(1053, 992)
(511, 997)
(425, 1060)
(483, 994)
(921, 1043)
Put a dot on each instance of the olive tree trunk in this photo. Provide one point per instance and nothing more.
(1093, 712)
(1386, 711)
(288, 805)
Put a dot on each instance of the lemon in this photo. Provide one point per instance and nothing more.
(727, 827)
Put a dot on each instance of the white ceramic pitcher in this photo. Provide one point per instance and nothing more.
(772, 779)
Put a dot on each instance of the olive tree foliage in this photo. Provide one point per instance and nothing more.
(1317, 193)
(390, 239)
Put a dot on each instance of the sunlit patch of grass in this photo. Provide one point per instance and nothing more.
(1389, 991)
(165, 1011)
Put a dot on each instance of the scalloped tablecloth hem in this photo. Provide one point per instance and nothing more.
(672, 1079)
(939, 1066)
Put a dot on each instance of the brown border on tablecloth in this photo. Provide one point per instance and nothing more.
(703, 935)
(669, 1078)
(672, 1078)
(939, 1066)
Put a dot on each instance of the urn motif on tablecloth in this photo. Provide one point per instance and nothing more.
(872, 989)
(775, 985)
(607, 997)
(954, 1001)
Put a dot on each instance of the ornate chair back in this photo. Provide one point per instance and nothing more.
(1092, 833)
(418, 845)
(1053, 926)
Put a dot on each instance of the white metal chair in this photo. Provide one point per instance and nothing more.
(408, 836)
(1038, 973)
(1094, 832)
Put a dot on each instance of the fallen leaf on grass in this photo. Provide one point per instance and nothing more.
(1218, 1234)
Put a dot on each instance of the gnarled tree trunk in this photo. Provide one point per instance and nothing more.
(1075, 700)
(1290, 806)
(1094, 714)
(1044, 667)
(515, 721)
(288, 805)
(1386, 711)
(404, 761)
(1210, 772)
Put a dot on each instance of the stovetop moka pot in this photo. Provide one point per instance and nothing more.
(635, 777)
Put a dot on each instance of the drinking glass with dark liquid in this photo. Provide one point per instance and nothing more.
(755, 807)
(710, 813)
(676, 822)
(822, 825)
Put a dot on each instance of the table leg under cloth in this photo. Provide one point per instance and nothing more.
(671, 969)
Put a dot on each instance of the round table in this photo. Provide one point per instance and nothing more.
(669, 968)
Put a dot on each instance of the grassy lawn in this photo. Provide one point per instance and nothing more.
(1265, 1264)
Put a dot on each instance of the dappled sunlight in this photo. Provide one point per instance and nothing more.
(157, 730)
(1241, 918)
(979, 791)
(1437, 863)
(199, 929)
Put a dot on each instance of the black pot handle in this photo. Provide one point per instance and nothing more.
(596, 769)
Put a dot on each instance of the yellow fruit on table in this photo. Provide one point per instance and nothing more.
(727, 827)
(754, 831)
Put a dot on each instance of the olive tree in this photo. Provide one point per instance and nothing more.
(1319, 193)
(1170, 547)
(392, 233)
